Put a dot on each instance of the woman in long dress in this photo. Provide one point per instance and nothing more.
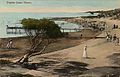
(9, 44)
(85, 52)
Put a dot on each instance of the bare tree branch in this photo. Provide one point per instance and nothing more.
(38, 53)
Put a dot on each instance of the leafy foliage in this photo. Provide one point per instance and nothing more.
(4, 62)
(16, 75)
(46, 26)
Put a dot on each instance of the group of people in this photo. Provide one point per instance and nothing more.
(109, 38)
(115, 26)
(88, 23)
(113, 38)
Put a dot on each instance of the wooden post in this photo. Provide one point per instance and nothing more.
(12, 30)
(15, 30)
(19, 31)
(7, 29)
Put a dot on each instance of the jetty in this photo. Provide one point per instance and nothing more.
(17, 30)
(13, 30)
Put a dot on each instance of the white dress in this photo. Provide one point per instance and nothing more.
(8, 44)
(85, 52)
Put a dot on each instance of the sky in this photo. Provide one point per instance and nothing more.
(71, 6)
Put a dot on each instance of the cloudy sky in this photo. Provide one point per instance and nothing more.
(56, 5)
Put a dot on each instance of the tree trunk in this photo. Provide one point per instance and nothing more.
(23, 59)
(34, 50)
(26, 57)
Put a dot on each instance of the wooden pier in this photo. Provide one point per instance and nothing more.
(14, 30)
(18, 30)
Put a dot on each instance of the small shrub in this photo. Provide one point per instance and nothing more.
(17, 75)
(4, 62)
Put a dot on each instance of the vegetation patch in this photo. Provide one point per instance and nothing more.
(5, 62)
(107, 71)
(16, 75)
(6, 56)
(115, 58)
(71, 68)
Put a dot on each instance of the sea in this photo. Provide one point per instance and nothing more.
(13, 18)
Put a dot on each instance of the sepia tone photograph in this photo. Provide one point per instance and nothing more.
(59, 38)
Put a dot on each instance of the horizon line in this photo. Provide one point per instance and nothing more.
(52, 9)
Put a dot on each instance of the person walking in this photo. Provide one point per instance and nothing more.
(114, 37)
(85, 52)
(117, 42)
(9, 44)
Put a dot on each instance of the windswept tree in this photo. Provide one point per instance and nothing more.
(40, 33)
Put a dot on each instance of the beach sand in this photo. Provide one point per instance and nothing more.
(98, 49)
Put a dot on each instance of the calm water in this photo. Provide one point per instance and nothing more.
(12, 18)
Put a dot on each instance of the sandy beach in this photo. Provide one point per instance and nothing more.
(98, 50)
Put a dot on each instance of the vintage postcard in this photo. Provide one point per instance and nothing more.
(59, 38)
